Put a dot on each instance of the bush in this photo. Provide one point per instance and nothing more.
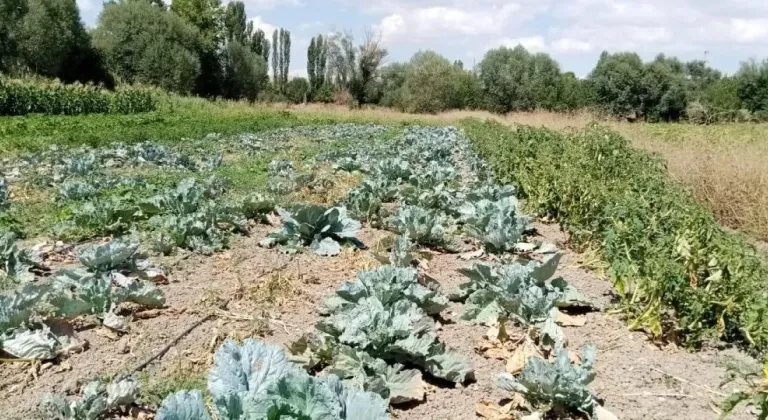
(245, 72)
(22, 97)
(146, 44)
(296, 90)
(676, 270)
(515, 80)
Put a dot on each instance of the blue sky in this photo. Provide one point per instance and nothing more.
(572, 31)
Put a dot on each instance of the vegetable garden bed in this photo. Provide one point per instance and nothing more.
(455, 302)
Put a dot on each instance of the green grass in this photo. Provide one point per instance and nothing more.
(154, 388)
(183, 119)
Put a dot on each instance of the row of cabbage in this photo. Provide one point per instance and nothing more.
(430, 187)
(377, 333)
(35, 317)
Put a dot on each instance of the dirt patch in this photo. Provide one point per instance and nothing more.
(635, 378)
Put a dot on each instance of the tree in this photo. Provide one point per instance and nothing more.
(371, 55)
(208, 17)
(258, 42)
(11, 13)
(513, 79)
(431, 83)
(316, 63)
(43, 53)
(245, 72)
(617, 80)
(276, 56)
(341, 59)
(752, 85)
(285, 56)
(234, 23)
(296, 90)
(143, 43)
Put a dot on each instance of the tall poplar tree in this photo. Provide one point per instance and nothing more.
(312, 54)
(285, 60)
(276, 59)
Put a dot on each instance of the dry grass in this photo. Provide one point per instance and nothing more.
(725, 166)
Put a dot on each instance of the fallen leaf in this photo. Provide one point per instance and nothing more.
(150, 313)
(498, 333)
(107, 333)
(493, 411)
(516, 363)
(532, 416)
(472, 255)
(565, 320)
(498, 353)
(603, 414)
(274, 220)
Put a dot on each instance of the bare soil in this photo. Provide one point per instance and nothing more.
(275, 296)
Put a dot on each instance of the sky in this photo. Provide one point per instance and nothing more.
(574, 32)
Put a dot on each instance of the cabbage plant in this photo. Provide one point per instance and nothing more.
(97, 401)
(559, 386)
(323, 230)
(398, 332)
(495, 223)
(15, 263)
(521, 290)
(257, 381)
(388, 284)
(426, 227)
(4, 193)
(113, 273)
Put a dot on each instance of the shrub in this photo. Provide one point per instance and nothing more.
(143, 43)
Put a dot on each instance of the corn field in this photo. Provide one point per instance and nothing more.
(22, 97)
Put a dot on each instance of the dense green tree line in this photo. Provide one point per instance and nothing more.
(204, 48)
(192, 47)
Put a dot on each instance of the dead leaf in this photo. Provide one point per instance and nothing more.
(498, 333)
(603, 414)
(107, 333)
(516, 363)
(493, 411)
(274, 220)
(532, 416)
(150, 313)
(565, 320)
(472, 255)
(499, 353)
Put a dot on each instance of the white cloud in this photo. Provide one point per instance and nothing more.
(568, 45)
(531, 43)
(268, 4)
(268, 28)
(442, 21)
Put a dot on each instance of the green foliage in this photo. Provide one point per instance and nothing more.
(256, 380)
(245, 72)
(98, 400)
(559, 386)
(323, 230)
(516, 80)
(145, 44)
(297, 90)
(426, 227)
(317, 59)
(115, 274)
(432, 84)
(752, 85)
(234, 23)
(674, 266)
(22, 97)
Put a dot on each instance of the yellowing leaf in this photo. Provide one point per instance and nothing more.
(519, 358)
(488, 410)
